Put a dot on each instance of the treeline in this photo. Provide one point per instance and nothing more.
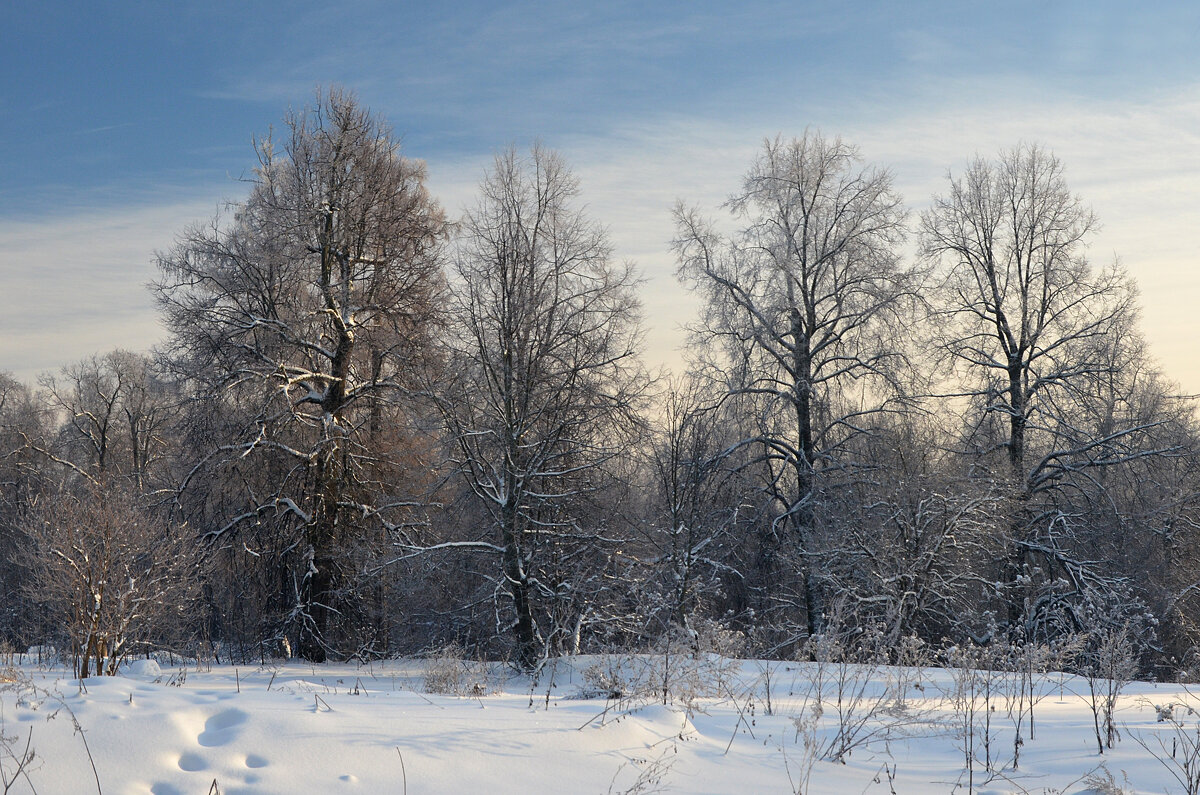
(374, 430)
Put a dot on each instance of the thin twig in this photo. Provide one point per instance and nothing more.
(403, 772)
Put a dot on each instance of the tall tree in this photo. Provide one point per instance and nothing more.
(800, 307)
(306, 317)
(545, 388)
(1031, 328)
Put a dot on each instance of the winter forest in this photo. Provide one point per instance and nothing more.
(376, 430)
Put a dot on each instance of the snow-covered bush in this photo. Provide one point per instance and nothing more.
(449, 672)
(1101, 781)
(976, 686)
(1108, 661)
(853, 684)
(111, 576)
(683, 665)
(1178, 750)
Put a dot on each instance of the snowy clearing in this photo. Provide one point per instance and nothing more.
(731, 727)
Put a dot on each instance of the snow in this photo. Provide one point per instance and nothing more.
(293, 727)
(143, 669)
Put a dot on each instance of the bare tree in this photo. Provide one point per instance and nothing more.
(695, 502)
(302, 322)
(115, 411)
(544, 390)
(1031, 328)
(23, 476)
(800, 308)
(921, 556)
(1136, 514)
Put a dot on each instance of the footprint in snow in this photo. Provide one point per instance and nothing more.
(221, 728)
(192, 762)
(254, 760)
(216, 695)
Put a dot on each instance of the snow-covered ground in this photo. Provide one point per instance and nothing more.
(746, 727)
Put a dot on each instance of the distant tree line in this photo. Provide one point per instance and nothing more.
(374, 430)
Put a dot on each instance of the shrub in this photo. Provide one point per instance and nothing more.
(449, 672)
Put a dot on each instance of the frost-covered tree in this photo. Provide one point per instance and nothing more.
(694, 503)
(543, 395)
(1036, 337)
(23, 475)
(299, 324)
(801, 305)
(116, 415)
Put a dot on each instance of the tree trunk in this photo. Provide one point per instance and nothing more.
(1014, 565)
(802, 515)
(518, 588)
(319, 580)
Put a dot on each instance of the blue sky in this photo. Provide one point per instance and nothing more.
(121, 122)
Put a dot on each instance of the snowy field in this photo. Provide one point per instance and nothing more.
(744, 727)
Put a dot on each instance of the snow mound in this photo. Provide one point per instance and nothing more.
(142, 669)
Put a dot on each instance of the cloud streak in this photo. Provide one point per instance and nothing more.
(76, 284)
(1137, 164)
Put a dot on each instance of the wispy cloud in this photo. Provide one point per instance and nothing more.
(76, 284)
(1137, 164)
(105, 128)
